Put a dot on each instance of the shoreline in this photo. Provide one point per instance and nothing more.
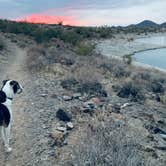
(121, 46)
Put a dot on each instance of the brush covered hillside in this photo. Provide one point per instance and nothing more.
(80, 108)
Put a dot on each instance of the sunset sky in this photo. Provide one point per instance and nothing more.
(84, 12)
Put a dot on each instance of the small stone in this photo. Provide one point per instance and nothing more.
(67, 98)
(125, 105)
(63, 129)
(70, 125)
(43, 95)
(90, 105)
(76, 95)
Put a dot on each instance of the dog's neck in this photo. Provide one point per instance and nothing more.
(8, 91)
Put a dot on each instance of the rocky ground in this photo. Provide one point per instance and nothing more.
(56, 125)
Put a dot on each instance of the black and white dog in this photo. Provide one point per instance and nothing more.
(7, 92)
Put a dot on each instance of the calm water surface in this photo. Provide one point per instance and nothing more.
(157, 57)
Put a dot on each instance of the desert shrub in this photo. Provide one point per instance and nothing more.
(85, 48)
(92, 88)
(116, 67)
(84, 78)
(157, 87)
(70, 37)
(119, 70)
(37, 58)
(106, 145)
(142, 75)
(1, 46)
(69, 83)
(128, 59)
(132, 91)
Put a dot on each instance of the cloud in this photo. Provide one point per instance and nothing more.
(46, 19)
(85, 12)
(123, 15)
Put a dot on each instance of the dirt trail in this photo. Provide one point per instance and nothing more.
(20, 141)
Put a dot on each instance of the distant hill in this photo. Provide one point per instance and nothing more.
(163, 24)
(147, 23)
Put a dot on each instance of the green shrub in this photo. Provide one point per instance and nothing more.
(2, 45)
(85, 48)
(128, 59)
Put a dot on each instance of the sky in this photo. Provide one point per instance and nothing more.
(84, 12)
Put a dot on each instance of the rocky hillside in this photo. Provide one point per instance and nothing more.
(81, 108)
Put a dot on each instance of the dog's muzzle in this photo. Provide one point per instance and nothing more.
(20, 90)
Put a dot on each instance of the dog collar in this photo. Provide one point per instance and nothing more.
(9, 98)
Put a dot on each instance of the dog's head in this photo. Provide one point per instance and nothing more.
(12, 86)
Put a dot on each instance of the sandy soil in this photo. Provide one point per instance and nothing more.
(122, 45)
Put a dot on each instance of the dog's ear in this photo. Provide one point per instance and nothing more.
(4, 81)
(13, 83)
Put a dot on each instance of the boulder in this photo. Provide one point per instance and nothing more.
(63, 115)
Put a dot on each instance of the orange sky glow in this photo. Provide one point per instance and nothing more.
(48, 19)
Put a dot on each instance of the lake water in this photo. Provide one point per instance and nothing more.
(157, 57)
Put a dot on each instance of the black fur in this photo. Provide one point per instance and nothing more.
(4, 116)
(15, 85)
(2, 97)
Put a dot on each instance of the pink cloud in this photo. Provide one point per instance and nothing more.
(50, 19)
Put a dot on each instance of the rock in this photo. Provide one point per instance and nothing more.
(158, 99)
(63, 115)
(90, 105)
(69, 125)
(125, 105)
(63, 129)
(67, 98)
(83, 98)
(43, 95)
(77, 95)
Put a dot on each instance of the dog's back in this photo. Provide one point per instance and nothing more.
(4, 116)
(4, 112)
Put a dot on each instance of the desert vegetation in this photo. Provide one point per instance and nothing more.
(91, 109)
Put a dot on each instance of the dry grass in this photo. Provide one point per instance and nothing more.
(106, 145)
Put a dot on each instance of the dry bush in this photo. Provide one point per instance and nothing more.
(106, 145)
(131, 90)
(85, 48)
(85, 78)
(37, 58)
(40, 57)
(116, 67)
(150, 81)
